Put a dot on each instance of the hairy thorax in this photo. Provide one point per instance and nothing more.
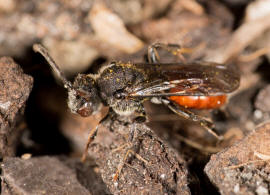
(117, 80)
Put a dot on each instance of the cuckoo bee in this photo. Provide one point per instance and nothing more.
(125, 86)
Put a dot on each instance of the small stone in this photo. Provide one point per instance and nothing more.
(262, 190)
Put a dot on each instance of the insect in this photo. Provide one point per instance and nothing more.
(125, 86)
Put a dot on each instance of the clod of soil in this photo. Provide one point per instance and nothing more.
(42, 175)
(151, 168)
(15, 89)
(243, 168)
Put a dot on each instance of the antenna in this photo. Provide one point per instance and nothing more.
(44, 52)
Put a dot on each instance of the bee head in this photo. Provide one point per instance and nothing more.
(83, 98)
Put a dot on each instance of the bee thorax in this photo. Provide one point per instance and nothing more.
(124, 108)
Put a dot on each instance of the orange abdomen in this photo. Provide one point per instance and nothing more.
(200, 102)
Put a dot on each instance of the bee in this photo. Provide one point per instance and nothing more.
(125, 86)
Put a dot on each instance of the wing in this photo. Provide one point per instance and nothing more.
(195, 79)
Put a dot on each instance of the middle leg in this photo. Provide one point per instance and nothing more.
(175, 49)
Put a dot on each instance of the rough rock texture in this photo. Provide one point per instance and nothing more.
(243, 168)
(43, 175)
(164, 171)
(14, 91)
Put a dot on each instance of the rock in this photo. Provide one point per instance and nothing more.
(243, 168)
(15, 89)
(42, 175)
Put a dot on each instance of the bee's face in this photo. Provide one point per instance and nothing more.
(83, 98)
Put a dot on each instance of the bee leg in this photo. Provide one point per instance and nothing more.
(141, 115)
(175, 49)
(91, 136)
(183, 112)
(140, 118)
(121, 165)
(129, 146)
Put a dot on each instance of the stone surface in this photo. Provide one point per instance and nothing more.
(243, 168)
(15, 89)
(151, 168)
(42, 175)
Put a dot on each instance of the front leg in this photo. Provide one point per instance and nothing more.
(92, 135)
(108, 121)
(140, 115)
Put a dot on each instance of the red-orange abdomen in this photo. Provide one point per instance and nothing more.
(200, 102)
